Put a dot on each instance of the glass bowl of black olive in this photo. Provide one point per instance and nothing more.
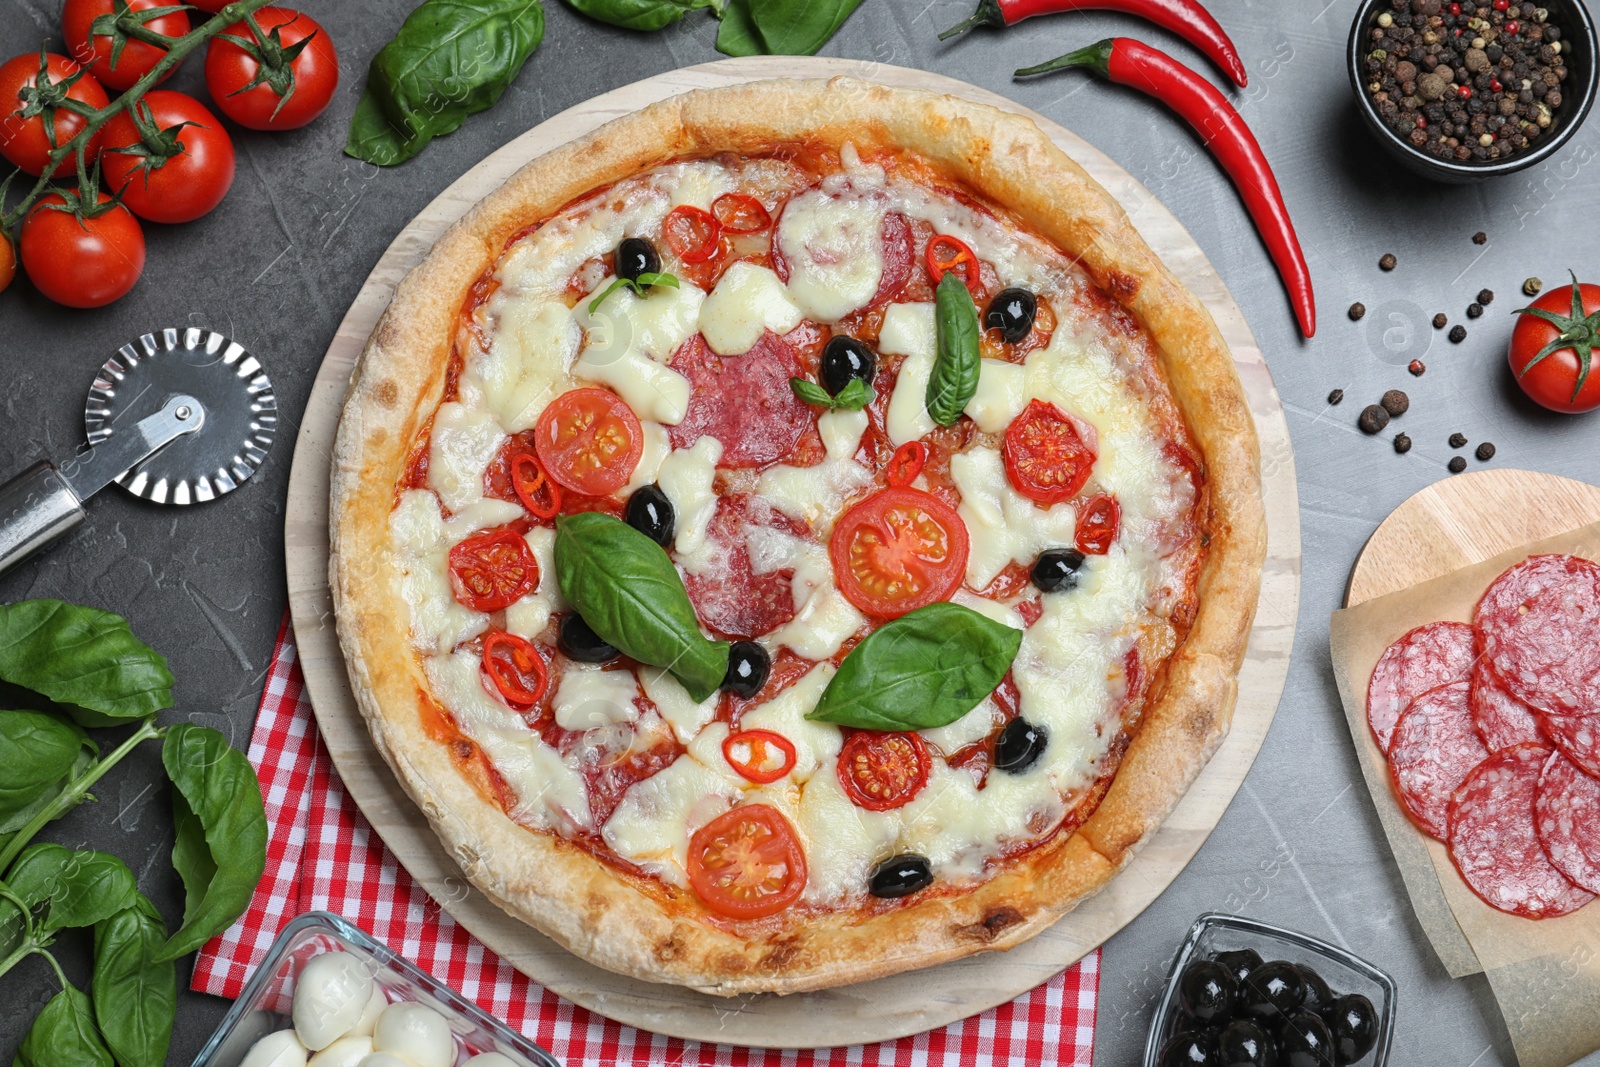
(1243, 993)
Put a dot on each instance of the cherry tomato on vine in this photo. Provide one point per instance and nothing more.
(279, 83)
(212, 6)
(8, 263)
(1552, 348)
(23, 140)
(168, 188)
(137, 58)
(82, 263)
(747, 863)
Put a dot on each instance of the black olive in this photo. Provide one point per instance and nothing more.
(636, 256)
(1011, 312)
(578, 641)
(1206, 991)
(1190, 1048)
(650, 512)
(1240, 961)
(1354, 1027)
(843, 360)
(900, 876)
(1272, 989)
(1304, 1041)
(1056, 569)
(1318, 995)
(1020, 743)
(748, 666)
(1243, 1043)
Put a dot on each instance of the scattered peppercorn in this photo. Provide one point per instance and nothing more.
(1417, 367)
(1356, 311)
(1402, 444)
(1485, 297)
(1336, 397)
(1485, 451)
(1388, 262)
(1373, 419)
(1395, 402)
(1480, 238)
(1458, 440)
(1440, 321)
(1457, 464)
(1458, 334)
(1474, 311)
(1532, 286)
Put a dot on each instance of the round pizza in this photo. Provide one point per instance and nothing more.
(794, 534)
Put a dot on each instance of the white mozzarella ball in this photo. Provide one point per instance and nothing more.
(417, 1034)
(382, 1059)
(369, 1015)
(490, 1059)
(282, 1049)
(345, 1052)
(330, 996)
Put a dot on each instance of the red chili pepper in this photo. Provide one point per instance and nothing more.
(1186, 18)
(906, 463)
(945, 254)
(1132, 63)
(750, 751)
(540, 495)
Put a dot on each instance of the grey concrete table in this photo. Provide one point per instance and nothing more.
(276, 265)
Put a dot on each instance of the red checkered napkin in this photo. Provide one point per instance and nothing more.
(322, 855)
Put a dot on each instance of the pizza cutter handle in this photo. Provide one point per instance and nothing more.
(36, 507)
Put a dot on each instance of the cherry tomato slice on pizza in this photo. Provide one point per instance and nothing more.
(947, 254)
(589, 441)
(747, 863)
(759, 755)
(906, 463)
(898, 550)
(492, 570)
(515, 669)
(539, 494)
(1099, 521)
(881, 771)
(740, 213)
(1047, 459)
(693, 234)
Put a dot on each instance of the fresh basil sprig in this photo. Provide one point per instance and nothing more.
(799, 27)
(958, 358)
(738, 36)
(853, 397)
(642, 14)
(135, 995)
(644, 281)
(71, 889)
(82, 657)
(628, 591)
(923, 670)
(451, 59)
(64, 1032)
(37, 750)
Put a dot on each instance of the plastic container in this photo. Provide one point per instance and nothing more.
(264, 1005)
(1344, 973)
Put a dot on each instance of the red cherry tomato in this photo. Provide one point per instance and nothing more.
(1047, 459)
(880, 771)
(177, 188)
(898, 550)
(137, 58)
(23, 140)
(947, 254)
(82, 264)
(8, 263)
(747, 863)
(740, 213)
(906, 463)
(1099, 521)
(695, 235)
(760, 755)
(277, 102)
(1552, 348)
(212, 6)
(513, 669)
(589, 441)
(492, 570)
(540, 495)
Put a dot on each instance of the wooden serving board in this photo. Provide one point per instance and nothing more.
(873, 1011)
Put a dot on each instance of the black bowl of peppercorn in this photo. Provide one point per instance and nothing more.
(1463, 90)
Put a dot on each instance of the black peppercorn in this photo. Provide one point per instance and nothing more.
(1474, 311)
(1458, 440)
(1456, 465)
(1402, 444)
(1388, 262)
(1458, 334)
(1395, 402)
(1440, 321)
(1485, 297)
(1373, 419)
(1480, 238)
(1356, 311)
(1485, 452)
(1336, 397)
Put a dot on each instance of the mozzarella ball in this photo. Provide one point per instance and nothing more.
(490, 1059)
(369, 1015)
(415, 1033)
(282, 1049)
(382, 1059)
(330, 996)
(345, 1052)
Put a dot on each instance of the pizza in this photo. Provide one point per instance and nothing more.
(795, 534)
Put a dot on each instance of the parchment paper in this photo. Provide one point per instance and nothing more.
(1545, 973)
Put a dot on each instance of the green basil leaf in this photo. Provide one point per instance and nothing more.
(82, 657)
(135, 995)
(450, 59)
(628, 591)
(73, 888)
(64, 1034)
(20, 818)
(920, 671)
(640, 14)
(799, 27)
(644, 281)
(37, 750)
(738, 35)
(958, 359)
(853, 397)
(216, 797)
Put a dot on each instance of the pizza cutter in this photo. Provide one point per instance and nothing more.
(176, 417)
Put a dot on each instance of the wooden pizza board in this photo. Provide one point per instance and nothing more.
(868, 1012)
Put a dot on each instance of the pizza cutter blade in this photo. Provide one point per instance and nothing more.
(178, 417)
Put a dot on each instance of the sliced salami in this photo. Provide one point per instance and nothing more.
(1578, 736)
(899, 257)
(1432, 750)
(730, 597)
(1567, 816)
(1539, 623)
(743, 401)
(1502, 720)
(1429, 656)
(1495, 845)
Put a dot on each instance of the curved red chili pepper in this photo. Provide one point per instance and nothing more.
(1186, 18)
(1135, 64)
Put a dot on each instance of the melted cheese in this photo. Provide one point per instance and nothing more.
(526, 364)
(421, 567)
(816, 495)
(462, 444)
(823, 618)
(1001, 395)
(1002, 524)
(627, 340)
(748, 301)
(833, 245)
(971, 728)
(842, 841)
(657, 445)
(687, 477)
(591, 696)
(653, 823)
(815, 743)
(529, 616)
(675, 704)
(909, 330)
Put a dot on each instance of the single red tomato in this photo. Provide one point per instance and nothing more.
(694, 235)
(898, 550)
(492, 570)
(179, 187)
(22, 135)
(747, 863)
(1099, 522)
(1552, 348)
(589, 441)
(759, 755)
(82, 263)
(280, 83)
(513, 670)
(137, 58)
(881, 771)
(1047, 458)
(8, 263)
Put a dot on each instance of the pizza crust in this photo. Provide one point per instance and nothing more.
(644, 928)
